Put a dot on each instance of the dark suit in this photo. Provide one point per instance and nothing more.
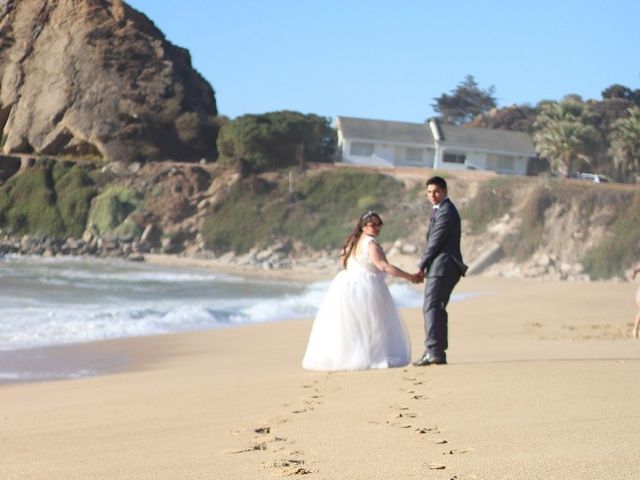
(442, 262)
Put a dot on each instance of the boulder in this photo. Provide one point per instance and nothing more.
(115, 87)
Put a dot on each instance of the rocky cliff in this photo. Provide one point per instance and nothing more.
(97, 78)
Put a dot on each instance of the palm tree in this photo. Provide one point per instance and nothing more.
(565, 133)
(625, 144)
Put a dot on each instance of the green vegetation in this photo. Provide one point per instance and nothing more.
(111, 208)
(565, 133)
(466, 101)
(625, 143)
(320, 214)
(255, 143)
(74, 189)
(619, 250)
(28, 203)
(52, 198)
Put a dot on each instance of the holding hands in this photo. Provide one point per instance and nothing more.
(417, 277)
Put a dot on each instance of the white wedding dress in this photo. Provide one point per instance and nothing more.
(357, 326)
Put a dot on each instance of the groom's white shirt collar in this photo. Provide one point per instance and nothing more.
(437, 205)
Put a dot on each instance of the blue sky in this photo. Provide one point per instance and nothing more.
(389, 60)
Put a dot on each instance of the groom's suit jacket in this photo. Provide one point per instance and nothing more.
(442, 256)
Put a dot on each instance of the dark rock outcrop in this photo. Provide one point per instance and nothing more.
(97, 78)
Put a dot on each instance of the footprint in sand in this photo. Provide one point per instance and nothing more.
(419, 397)
(458, 451)
(312, 400)
(255, 448)
(290, 466)
(402, 418)
(425, 430)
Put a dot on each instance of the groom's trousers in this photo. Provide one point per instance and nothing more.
(436, 297)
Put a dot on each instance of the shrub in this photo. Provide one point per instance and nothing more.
(112, 207)
(28, 203)
(618, 251)
(238, 224)
(325, 208)
(369, 202)
(255, 143)
(74, 189)
(331, 204)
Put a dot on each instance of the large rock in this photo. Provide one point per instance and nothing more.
(97, 78)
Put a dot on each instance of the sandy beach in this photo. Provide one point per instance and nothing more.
(542, 382)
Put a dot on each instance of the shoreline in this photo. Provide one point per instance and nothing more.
(95, 358)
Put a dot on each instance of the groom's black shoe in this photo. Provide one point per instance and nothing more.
(428, 359)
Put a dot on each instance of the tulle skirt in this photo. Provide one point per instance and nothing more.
(357, 326)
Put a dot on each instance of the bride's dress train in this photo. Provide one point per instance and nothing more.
(357, 326)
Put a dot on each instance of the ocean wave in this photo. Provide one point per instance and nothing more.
(72, 270)
(82, 301)
(32, 325)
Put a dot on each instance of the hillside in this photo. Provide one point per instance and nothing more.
(514, 226)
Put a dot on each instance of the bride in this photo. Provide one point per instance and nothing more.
(357, 325)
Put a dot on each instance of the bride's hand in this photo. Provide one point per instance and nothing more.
(417, 277)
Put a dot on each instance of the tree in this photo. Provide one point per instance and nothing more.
(517, 118)
(256, 143)
(625, 144)
(564, 133)
(620, 91)
(465, 102)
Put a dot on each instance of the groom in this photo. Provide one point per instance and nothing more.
(442, 265)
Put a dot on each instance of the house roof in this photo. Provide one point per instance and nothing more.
(419, 133)
(386, 131)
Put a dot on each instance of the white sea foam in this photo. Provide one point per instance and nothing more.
(52, 301)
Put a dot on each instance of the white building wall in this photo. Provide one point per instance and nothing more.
(390, 155)
(476, 160)
(380, 156)
(384, 153)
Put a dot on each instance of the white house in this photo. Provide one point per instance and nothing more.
(432, 145)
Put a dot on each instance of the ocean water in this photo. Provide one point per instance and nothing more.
(55, 301)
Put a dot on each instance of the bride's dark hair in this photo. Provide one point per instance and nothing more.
(352, 240)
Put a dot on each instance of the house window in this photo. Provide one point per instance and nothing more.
(361, 149)
(454, 157)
